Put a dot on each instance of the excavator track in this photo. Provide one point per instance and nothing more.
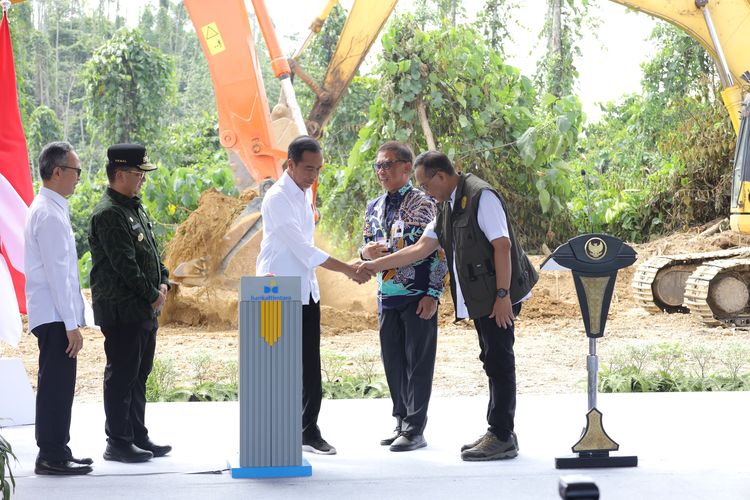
(659, 283)
(718, 292)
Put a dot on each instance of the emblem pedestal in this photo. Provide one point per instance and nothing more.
(270, 379)
(594, 260)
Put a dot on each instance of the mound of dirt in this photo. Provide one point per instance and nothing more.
(214, 308)
(692, 241)
(201, 235)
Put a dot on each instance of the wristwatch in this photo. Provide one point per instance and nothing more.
(502, 292)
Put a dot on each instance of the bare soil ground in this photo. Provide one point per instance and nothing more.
(551, 345)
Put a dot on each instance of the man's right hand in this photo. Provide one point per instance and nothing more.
(373, 250)
(159, 302)
(368, 268)
(354, 274)
(75, 343)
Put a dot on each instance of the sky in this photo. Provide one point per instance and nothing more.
(608, 68)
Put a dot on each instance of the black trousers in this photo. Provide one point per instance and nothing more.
(56, 383)
(408, 345)
(130, 356)
(312, 384)
(499, 363)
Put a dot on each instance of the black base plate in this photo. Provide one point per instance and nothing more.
(577, 462)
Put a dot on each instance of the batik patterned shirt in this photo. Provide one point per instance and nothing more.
(413, 210)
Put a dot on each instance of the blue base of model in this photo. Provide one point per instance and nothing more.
(304, 470)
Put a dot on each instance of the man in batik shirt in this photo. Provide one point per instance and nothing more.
(407, 296)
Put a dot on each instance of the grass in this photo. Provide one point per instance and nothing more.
(670, 367)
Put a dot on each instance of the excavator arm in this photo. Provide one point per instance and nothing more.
(255, 137)
(722, 27)
(365, 21)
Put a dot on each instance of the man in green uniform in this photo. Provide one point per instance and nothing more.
(129, 285)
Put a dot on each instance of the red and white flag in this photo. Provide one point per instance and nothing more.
(14, 161)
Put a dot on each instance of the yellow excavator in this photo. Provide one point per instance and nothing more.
(256, 137)
(714, 285)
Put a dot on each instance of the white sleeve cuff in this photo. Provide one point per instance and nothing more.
(70, 324)
(317, 258)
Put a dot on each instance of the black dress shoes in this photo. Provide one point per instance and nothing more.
(60, 468)
(126, 453)
(390, 439)
(157, 450)
(408, 442)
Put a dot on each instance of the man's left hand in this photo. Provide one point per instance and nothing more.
(427, 307)
(502, 311)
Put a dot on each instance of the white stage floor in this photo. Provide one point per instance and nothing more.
(689, 446)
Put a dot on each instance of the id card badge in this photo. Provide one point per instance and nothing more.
(398, 230)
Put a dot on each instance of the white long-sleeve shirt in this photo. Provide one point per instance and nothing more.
(287, 248)
(493, 223)
(53, 290)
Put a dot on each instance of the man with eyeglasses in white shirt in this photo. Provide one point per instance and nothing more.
(55, 307)
(288, 249)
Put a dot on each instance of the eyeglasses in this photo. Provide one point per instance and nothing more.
(386, 164)
(78, 170)
(138, 173)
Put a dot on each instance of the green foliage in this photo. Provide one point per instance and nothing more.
(432, 14)
(669, 367)
(494, 21)
(351, 380)
(482, 113)
(7, 481)
(84, 269)
(44, 127)
(208, 383)
(168, 29)
(81, 204)
(660, 161)
(556, 72)
(170, 195)
(128, 82)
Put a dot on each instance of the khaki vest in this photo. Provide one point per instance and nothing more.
(474, 254)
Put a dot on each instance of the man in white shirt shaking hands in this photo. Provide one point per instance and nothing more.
(288, 249)
(55, 307)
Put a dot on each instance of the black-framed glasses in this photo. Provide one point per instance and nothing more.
(78, 170)
(385, 164)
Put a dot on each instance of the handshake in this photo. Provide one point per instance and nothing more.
(362, 271)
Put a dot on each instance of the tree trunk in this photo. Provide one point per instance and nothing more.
(554, 44)
(422, 112)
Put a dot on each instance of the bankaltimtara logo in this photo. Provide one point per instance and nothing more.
(270, 292)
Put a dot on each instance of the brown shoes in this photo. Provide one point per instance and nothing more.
(490, 447)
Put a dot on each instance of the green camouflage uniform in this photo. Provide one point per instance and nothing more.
(126, 268)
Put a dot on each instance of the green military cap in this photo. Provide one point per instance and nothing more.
(129, 156)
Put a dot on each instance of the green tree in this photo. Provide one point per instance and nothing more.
(44, 127)
(494, 21)
(128, 83)
(432, 14)
(556, 72)
(448, 89)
